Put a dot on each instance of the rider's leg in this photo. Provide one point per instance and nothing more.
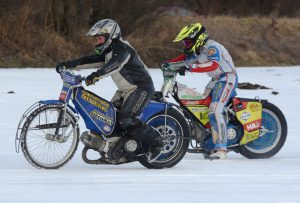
(129, 121)
(222, 92)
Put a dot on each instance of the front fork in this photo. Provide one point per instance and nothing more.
(65, 96)
(61, 121)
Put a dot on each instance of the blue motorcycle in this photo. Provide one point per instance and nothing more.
(48, 132)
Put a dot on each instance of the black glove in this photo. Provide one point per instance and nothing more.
(164, 65)
(92, 78)
(118, 103)
(182, 70)
(66, 64)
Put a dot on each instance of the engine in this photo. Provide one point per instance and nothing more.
(112, 148)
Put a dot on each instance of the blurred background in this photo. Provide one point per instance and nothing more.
(41, 33)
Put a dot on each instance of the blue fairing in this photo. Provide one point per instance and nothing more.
(153, 108)
(98, 114)
(57, 102)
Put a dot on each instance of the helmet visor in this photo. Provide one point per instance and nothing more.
(188, 43)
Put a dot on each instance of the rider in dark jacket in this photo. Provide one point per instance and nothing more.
(117, 58)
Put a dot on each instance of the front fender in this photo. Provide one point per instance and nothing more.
(57, 102)
(153, 108)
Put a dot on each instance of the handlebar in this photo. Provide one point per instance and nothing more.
(63, 70)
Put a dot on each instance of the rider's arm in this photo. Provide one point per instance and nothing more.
(90, 59)
(120, 56)
(204, 67)
(179, 58)
(213, 55)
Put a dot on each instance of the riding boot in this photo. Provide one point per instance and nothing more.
(144, 133)
(216, 155)
(149, 136)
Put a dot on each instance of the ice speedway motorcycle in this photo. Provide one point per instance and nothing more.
(256, 128)
(48, 132)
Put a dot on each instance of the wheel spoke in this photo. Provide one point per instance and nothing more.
(42, 146)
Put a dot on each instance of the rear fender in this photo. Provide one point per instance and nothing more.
(249, 113)
(153, 108)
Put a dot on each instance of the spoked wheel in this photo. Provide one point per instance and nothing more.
(272, 134)
(174, 129)
(44, 143)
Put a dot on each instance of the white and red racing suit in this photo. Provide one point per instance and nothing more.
(215, 60)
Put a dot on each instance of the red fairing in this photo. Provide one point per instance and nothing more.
(239, 105)
(204, 67)
(205, 102)
(181, 57)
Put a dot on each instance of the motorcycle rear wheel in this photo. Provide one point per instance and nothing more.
(40, 146)
(270, 143)
(175, 129)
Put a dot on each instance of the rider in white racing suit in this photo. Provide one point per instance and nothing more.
(205, 55)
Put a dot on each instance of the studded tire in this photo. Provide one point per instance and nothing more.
(269, 144)
(175, 130)
(34, 152)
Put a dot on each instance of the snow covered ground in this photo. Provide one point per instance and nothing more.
(193, 180)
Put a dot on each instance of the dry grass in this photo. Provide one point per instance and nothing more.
(27, 39)
(252, 41)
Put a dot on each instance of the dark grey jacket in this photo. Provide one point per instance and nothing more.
(123, 64)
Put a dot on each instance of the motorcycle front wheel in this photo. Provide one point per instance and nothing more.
(174, 129)
(44, 143)
(272, 136)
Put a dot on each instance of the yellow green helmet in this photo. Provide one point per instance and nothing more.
(193, 36)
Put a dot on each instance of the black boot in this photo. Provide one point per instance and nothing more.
(150, 138)
(147, 135)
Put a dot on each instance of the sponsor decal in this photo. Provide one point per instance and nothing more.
(225, 95)
(139, 102)
(254, 106)
(201, 65)
(63, 96)
(198, 109)
(222, 133)
(69, 79)
(103, 30)
(190, 102)
(217, 90)
(96, 101)
(255, 125)
(245, 116)
(192, 97)
(112, 67)
(211, 51)
(214, 135)
(99, 116)
(107, 128)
